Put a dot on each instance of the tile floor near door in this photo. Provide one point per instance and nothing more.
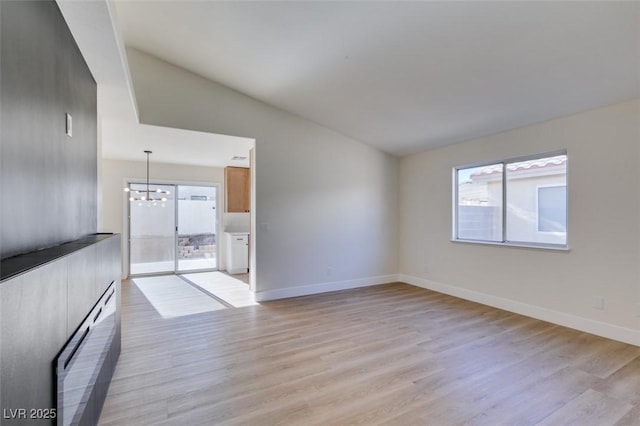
(189, 294)
(172, 296)
(225, 287)
(390, 354)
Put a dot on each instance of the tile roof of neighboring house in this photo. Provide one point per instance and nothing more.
(538, 163)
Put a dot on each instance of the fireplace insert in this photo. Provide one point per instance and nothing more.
(85, 365)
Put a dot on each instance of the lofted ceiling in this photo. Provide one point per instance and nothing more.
(403, 76)
(95, 29)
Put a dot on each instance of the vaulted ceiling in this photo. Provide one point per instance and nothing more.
(403, 76)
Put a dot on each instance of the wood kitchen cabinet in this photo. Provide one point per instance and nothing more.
(237, 189)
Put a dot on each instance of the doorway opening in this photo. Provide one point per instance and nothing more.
(177, 235)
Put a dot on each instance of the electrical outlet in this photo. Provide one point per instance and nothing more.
(330, 271)
(264, 228)
(597, 302)
(638, 310)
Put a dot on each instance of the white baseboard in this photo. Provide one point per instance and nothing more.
(599, 328)
(283, 293)
(237, 271)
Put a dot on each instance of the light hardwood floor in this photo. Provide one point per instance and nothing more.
(390, 354)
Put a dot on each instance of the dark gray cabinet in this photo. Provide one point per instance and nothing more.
(81, 286)
(40, 309)
(34, 328)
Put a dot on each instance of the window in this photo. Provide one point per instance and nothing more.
(515, 202)
(552, 209)
(480, 203)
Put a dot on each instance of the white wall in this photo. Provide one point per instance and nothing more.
(603, 230)
(236, 222)
(326, 205)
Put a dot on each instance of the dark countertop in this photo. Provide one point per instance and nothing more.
(16, 265)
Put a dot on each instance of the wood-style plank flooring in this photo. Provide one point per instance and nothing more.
(391, 354)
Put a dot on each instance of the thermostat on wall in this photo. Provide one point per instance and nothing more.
(69, 125)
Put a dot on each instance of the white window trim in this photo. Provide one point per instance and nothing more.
(505, 242)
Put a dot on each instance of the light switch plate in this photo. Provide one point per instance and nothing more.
(69, 125)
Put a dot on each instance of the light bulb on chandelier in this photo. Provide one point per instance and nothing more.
(146, 194)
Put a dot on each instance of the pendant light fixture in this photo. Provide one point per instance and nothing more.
(148, 194)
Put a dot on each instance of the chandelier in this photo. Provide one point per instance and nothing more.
(148, 195)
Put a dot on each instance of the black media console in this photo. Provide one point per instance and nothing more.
(59, 331)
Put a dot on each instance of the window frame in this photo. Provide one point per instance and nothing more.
(545, 246)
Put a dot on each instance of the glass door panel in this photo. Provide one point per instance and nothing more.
(152, 231)
(197, 225)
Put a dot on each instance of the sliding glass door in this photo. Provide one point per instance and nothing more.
(152, 232)
(197, 224)
(176, 235)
